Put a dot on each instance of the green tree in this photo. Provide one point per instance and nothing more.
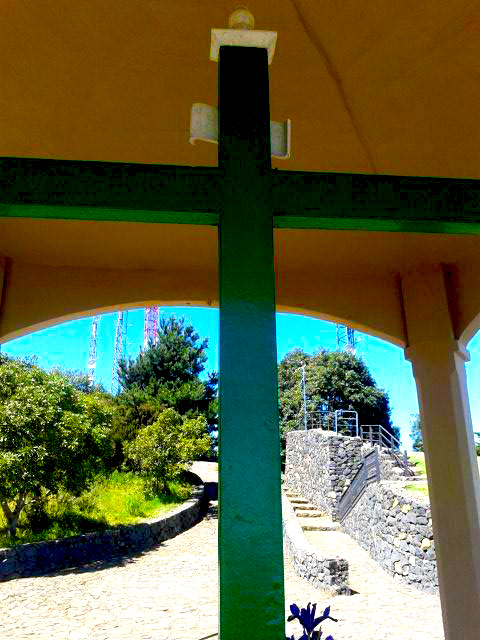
(161, 450)
(165, 375)
(334, 380)
(416, 433)
(176, 358)
(80, 380)
(51, 437)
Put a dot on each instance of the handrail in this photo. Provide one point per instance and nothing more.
(382, 437)
(369, 472)
(374, 433)
(403, 462)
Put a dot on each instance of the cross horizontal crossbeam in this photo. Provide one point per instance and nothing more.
(85, 190)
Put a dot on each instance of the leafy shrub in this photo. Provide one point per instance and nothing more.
(51, 438)
(161, 450)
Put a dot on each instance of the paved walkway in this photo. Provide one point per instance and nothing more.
(393, 609)
(170, 593)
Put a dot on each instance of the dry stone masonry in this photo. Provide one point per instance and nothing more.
(391, 523)
(396, 529)
(329, 574)
(320, 465)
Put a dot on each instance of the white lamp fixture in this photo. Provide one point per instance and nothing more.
(203, 117)
(204, 126)
(242, 34)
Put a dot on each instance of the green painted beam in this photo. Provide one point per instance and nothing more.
(311, 200)
(48, 212)
(112, 185)
(77, 190)
(338, 222)
(398, 225)
(250, 525)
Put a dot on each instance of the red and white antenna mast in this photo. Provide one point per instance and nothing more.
(150, 326)
(92, 349)
(120, 344)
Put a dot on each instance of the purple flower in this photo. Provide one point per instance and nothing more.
(307, 619)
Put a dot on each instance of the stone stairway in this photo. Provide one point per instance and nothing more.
(390, 464)
(309, 516)
(418, 479)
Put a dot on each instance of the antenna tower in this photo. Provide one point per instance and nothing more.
(346, 340)
(92, 349)
(120, 344)
(150, 326)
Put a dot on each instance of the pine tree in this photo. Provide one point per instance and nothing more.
(166, 375)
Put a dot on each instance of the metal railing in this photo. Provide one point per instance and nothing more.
(402, 461)
(324, 420)
(369, 472)
(340, 421)
(377, 434)
(346, 422)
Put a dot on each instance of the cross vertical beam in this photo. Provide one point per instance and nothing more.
(250, 526)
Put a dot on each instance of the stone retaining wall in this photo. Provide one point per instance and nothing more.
(330, 574)
(320, 465)
(39, 558)
(396, 529)
(392, 524)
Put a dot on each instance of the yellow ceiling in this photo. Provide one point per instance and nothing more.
(386, 87)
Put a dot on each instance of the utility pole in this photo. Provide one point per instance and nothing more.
(304, 391)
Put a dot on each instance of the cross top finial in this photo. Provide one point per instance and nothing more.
(241, 18)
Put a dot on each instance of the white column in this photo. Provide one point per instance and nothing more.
(438, 362)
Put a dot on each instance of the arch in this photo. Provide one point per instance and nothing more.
(139, 304)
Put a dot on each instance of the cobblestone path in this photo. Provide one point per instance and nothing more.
(170, 593)
(383, 608)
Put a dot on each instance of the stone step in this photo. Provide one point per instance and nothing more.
(303, 513)
(417, 478)
(299, 501)
(306, 507)
(318, 524)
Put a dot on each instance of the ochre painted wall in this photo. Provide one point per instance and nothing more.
(64, 269)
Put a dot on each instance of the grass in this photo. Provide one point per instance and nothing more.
(418, 459)
(112, 500)
(120, 499)
(419, 487)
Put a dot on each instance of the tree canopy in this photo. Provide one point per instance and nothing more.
(416, 433)
(166, 375)
(176, 357)
(51, 436)
(334, 380)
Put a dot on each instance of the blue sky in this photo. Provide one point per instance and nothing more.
(66, 346)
